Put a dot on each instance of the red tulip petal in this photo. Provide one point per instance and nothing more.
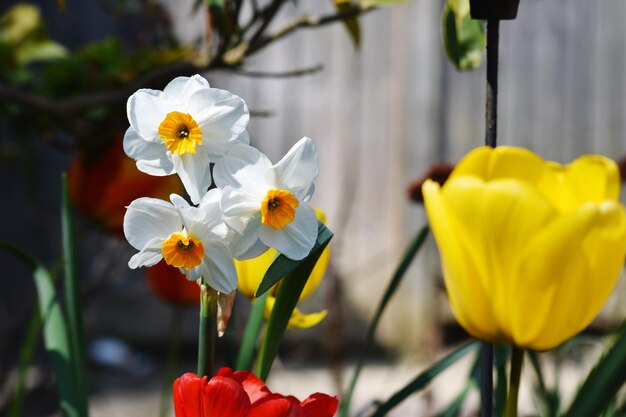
(320, 405)
(187, 391)
(277, 406)
(253, 385)
(224, 397)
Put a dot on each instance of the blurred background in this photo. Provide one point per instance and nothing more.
(380, 115)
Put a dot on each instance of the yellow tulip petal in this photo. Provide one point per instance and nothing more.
(502, 162)
(319, 270)
(590, 178)
(495, 222)
(594, 178)
(553, 283)
(469, 301)
(605, 247)
(304, 321)
(474, 163)
(251, 271)
(530, 249)
(297, 319)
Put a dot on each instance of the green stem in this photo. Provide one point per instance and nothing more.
(517, 359)
(171, 361)
(208, 329)
(251, 334)
(72, 297)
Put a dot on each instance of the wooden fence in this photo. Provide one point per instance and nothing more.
(381, 115)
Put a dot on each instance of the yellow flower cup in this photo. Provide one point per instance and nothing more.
(530, 249)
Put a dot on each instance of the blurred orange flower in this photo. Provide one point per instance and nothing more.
(102, 188)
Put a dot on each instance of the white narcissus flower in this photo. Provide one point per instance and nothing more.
(193, 239)
(184, 128)
(267, 205)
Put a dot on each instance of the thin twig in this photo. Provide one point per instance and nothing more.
(286, 74)
(307, 22)
(266, 16)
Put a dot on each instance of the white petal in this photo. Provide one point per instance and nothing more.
(211, 199)
(307, 193)
(146, 109)
(194, 273)
(239, 207)
(213, 222)
(189, 215)
(149, 255)
(298, 169)
(243, 166)
(151, 157)
(257, 249)
(247, 245)
(217, 149)
(222, 117)
(184, 87)
(219, 268)
(297, 238)
(194, 172)
(149, 218)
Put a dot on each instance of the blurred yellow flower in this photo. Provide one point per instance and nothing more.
(251, 273)
(530, 249)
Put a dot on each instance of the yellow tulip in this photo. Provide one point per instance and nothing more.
(251, 273)
(530, 249)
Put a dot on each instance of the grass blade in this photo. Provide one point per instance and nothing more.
(424, 378)
(55, 334)
(502, 354)
(73, 308)
(408, 257)
(604, 381)
(473, 381)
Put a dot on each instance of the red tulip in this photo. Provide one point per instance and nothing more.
(242, 394)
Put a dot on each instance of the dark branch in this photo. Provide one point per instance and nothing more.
(287, 74)
(307, 22)
(79, 104)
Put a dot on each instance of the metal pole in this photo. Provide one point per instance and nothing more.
(491, 133)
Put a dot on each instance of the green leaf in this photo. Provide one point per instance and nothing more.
(455, 406)
(73, 309)
(395, 281)
(55, 333)
(19, 22)
(549, 397)
(251, 334)
(351, 24)
(423, 379)
(283, 266)
(502, 354)
(44, 50)
(604, 381)
(463, 37)
(286, 299)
